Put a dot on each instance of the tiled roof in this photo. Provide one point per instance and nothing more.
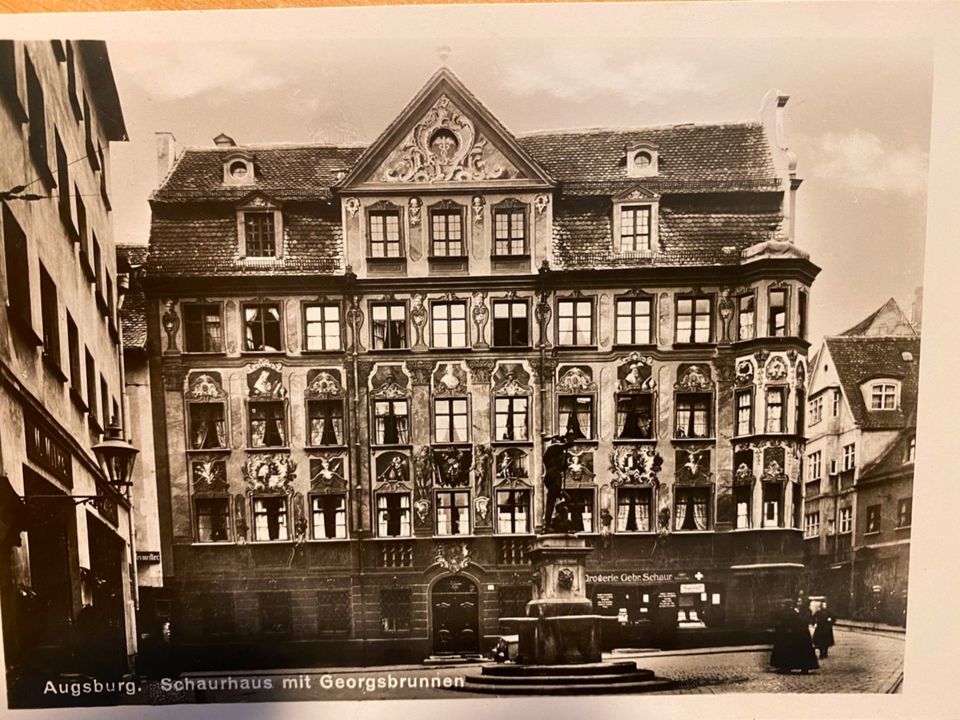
(202, 245)
(893, 458)
(583, 235)
(294, 172)
(732, 156)
(858, 359)
(133, 311)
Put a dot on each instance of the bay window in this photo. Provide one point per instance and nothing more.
(777, 314)
(746, 314)
(776, 418)
(744, 412)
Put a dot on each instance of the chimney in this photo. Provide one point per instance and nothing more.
(166, 154)
(916, 313)
(772, 114)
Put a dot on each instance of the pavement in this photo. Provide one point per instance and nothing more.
(861, 662)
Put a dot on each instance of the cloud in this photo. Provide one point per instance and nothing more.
(860, 159)
(582, 76)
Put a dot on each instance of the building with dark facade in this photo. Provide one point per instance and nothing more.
(66, 590)
(860, 454)
(357, 354)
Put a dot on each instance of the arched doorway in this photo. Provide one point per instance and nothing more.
(456, 615)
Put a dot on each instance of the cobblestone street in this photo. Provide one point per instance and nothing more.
(864, 662)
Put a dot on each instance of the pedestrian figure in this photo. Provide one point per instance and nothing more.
(823, 632)
(792, 648)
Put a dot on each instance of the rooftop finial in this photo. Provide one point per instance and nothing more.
(444, 52)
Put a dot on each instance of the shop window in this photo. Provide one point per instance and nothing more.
(511, 324)
(213, 519)
(450, 420)
(395, 609)
(334, 614)
(743, 500)
(691, 508)
(634, 320)
(510, 419)
(777, 313)
(744, 412)
(202, 327)
(575, 322)
(694, 319)
(634, 416)
(775, 418)
(325, 423)
(275, 612)
(904, 512)
(576, 416)
(393, 514)
(634, 509)
(267, 424)
(18, 269)
(772, 505)
(261, 327)
(509, 231)
(811, 525)
(513, 511)
(388, 326)
(329, 515)
(449, 322)
(746, 316)
(581, 505)
(383, 229)
(321, 327)
(453, 513)
(873, 518)
(391, 422)
(693, 415)
(270, 518)
(207, 426)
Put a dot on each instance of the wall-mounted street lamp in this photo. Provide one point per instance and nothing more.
(116, 457)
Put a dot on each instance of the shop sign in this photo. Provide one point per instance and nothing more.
(668, 600)
(640, 577)
(604, 600)
(148, 556)
(45, 450)
(692, 588)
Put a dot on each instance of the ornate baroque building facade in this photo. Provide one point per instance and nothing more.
(360, 352)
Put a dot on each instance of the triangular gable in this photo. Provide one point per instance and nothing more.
(637, 192)
(445, 136)
(258, 200)
(889, 319)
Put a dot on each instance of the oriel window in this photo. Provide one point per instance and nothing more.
(742, 496)
(776, 399)
(772, 505)
(329, 516)
(746, 317)
(262, 327)
(778, 313)
(389, 326)
(744, 412)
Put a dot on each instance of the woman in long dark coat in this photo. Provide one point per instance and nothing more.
(823, 632)
(792, 649)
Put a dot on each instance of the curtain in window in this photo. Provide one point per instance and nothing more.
(509, 430)
(700, 513)
(379, 334)
(643, 516)
(258, 429)
(583, 417)
(279, 430)
(622, 413)
(681, 514)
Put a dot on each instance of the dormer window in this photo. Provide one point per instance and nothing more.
(642, 161)
(635, 217)
(884, 395)
(260, 229)
(238, 168)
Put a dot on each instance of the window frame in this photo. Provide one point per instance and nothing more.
(651, 403)
(191, 404)
(375, 439)
(816, 464)
(816, 410)
(512, 493)
(339, 512)
(338, 402)
(390, 305)
(262, 305)
(511, 412)
(324, 306)
(574, 302)
(747, 492)
(285, 440)
(16, 248)
(650, 498)
(849, 458)
(773, 326)
(633, 208)
(453, 495)
(404, 508)
(50, 318)
(446, 210)
(400, 602)
(781, 392)
(752, 297)
(711, 420)
(683, 491)
(873, 519)
(449, 321)
(260, 234)
(811, 524)
(781, 503)
(694, 315)
(186, 307)
(888, 389)
(511, 318)
(904, 504)
(510, 208)
(207, 499)
(574, 397)
(844, 520)
(633, 300)
(384, 211)
(451, 416)
(737, 408)
(283, 521)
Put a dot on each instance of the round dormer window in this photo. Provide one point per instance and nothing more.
(642, 159)
(238, 170)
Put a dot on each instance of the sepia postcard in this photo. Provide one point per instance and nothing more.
(550, 358)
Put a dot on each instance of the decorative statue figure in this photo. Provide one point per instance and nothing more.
(171, 323)
(555, 461)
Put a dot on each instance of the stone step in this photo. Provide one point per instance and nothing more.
(601, 668)
(597, 679)
(576, 688)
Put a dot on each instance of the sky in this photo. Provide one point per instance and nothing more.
(858, 116)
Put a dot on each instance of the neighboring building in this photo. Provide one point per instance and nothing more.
(65, 582)
(859, 478)
(355, 354)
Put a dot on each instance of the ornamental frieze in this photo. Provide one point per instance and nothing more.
(511, 379)
(324, 384)
(635, 465)
(576, 380)
(694, 378)
(205, 387)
